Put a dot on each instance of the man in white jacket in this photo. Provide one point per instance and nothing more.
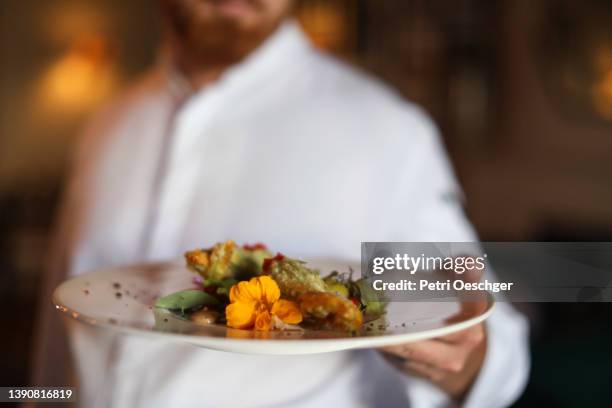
(244, 131)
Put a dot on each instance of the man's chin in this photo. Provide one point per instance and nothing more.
(229, 38)
(235, 9)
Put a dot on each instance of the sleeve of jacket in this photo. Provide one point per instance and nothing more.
(429, 209)
(51, 358)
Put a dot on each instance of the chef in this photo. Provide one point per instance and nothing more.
(243, 131)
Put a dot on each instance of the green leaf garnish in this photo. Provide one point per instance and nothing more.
(186, 300)
(222, 286)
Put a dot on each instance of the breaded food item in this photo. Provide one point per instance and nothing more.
(336, 302)
(330, 311)
(226, 260)
(293, 277)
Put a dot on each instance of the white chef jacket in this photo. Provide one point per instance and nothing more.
(291, 148)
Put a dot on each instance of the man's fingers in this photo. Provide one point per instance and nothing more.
(416, 367)
(425, 371)
(471, 305)
(435, 353)
(470, 337)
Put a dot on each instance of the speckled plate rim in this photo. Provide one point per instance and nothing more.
(274, 346)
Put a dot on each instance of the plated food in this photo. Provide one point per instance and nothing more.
(248, 287)
(122, 299)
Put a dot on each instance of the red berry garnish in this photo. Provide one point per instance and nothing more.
(255, 247)
(268, 261)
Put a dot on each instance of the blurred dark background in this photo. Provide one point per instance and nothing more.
(522, 91)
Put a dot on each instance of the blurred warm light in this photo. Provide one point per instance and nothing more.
(602, 95)
(62, 23)
(79, 79)
(603, 59)
(325, 25)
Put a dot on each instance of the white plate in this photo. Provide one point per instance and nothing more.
(122, 298)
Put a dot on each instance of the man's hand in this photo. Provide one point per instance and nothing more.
(451, 362)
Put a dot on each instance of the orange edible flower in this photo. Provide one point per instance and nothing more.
(257, 303)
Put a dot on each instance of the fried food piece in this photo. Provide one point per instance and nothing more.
(226, 260)
(330, 311)
(213, 263)
(198, 260)
(293, 277)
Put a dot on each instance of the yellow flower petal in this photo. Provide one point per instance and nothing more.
(263, 321)
(251, 303)
(287, 311)
(245, 292)
(269, 289)
(240, 315)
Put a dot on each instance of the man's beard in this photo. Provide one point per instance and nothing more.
(226, 40)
